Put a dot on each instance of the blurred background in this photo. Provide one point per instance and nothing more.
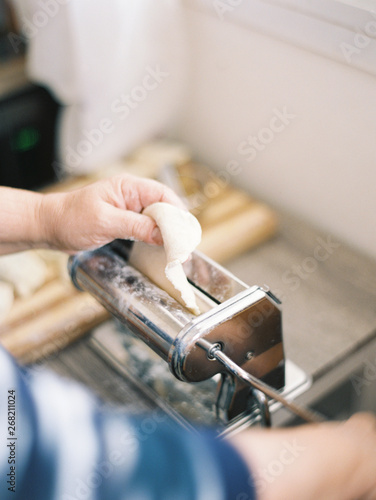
(28, 113)
(279, 95)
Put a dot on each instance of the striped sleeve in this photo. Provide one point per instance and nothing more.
(65, 448)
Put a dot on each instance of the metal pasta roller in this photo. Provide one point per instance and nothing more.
(237, 341)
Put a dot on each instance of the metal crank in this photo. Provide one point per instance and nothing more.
(259, 388)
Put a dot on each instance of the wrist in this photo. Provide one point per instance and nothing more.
(48, 211)
(21, 225)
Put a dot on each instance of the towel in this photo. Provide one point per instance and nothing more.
(118, 68)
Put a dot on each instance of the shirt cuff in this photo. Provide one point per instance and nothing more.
(237, 478)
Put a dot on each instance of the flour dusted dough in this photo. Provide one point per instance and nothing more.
(181, 233)
(25, 271)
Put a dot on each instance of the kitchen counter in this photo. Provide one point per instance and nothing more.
(328, 294)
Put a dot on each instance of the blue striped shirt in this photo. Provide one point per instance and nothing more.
(56, 444)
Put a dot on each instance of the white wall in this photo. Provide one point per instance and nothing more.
(320, 163)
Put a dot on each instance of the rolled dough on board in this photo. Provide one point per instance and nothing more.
(24, 270)
(181, 233)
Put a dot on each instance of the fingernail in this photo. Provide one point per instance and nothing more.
(156, 236)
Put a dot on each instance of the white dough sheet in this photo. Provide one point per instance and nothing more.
(181, 233)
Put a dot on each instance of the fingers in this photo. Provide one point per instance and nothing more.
(144, 192)
(126, 224)
(153, 192)
(112, 209)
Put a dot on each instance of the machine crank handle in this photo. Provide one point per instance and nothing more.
(214, 351)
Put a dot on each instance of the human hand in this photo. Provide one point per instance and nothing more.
(101, 212)
(329, 461)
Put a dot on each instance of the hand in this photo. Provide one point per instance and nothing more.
(330, 461)
(101, 212)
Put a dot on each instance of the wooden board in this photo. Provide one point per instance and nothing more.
(49, 320)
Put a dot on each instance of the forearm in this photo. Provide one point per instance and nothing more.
(21, 225)
(335, 461)
(83, 219)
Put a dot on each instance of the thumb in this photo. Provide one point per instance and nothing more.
(126, 224)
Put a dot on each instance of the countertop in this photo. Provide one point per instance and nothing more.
(328, 293)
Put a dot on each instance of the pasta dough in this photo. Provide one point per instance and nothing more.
(181, 233)
(25, 271)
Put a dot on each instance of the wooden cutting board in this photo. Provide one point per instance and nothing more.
(47, 321)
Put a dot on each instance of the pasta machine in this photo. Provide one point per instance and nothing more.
(237, 342)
